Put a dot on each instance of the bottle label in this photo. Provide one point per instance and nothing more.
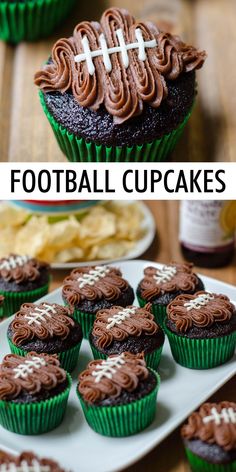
(207, 224)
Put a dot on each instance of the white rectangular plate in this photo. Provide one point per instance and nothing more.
(77, 447)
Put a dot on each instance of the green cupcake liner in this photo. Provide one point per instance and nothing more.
(85, 320)
(34, 418)
(32, 19)
(201, 353)
(13, 300)
(201, 465)
(68, 359)
(159, 311)
(79, 150)
(152, 359)
(122, 420)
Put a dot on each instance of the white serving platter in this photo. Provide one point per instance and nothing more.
(182, 390)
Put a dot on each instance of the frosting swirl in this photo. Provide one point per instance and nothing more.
(10, 463)
(21, 268)
(43, 321)
(169, 278)
(119, 323)
(82, 284)
(123, 81)
(201, 310)
(104, 379)
(33, 373)
(214, 423)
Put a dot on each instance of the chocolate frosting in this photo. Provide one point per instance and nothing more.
(43, 321)
(105, 379)
(214, 309)
(109, 284)
(13, 463)
(157, 282)
(204, 425)
(21, 268)
(121, 88)
(119, 323)
(33, 373)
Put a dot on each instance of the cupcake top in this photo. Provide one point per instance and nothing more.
(214, 423)
(119, 323)
(21, 269)
(27, 462)
(109, 378)
(93, 283)
(201, 310)
(118, 64)
(33, 374)
(44, 321)
(169, 278)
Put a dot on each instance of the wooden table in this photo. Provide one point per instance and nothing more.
(169, 456)
(25, 134)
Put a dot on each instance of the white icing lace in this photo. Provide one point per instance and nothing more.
(14, 261)
(39, 314)
(23, 370)
(123, 49)
(227, 415)
(24, 467)
(108, 368)
(199, 301)
(93, 276)
(120, 316)
(165, 274)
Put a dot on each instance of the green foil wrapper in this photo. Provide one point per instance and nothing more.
(122, 420)
(159, 311)
(152, 359)
(68, 359)
(201, 353)
(31, 19)
(79, 150)
(34, 418)
(201, 465)
(14, 300)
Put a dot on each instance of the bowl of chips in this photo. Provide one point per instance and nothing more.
(73, 233)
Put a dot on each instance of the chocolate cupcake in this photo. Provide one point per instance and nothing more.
(90, 289)
(129, 329)
(28, 462)
(201, 329)
(33, 393)
(22, 279)
(118, 90)
(118, 395)
(210, 438)
(161, 286)
(28, 20)
(46, 328)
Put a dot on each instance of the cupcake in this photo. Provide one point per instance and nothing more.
(90, 289)
(118, 395)
(27, 462)
(22, 279)
(161, 286)
(201, 329)
(28, 20)
(118, 90)
(129, 329)
(210, 438)
(46, 328)
(33, 393)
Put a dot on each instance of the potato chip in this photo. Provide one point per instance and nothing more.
(110, 250)
(33, 236)
(69, 255)
(11, 216)
(63, 233)
(7, 240)
(98, 224)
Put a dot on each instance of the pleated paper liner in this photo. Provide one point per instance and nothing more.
(34, 418)
(201, 465)
(122, 420)
(13, 300)
(79, 150)
(152, 359)
(31, 19)
(68, 359)
(201, 353)
(159, 311)
(85, 320)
